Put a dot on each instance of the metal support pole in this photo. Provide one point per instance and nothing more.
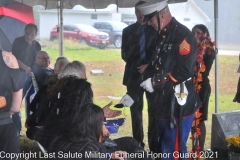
(216, 58)
(61, 29)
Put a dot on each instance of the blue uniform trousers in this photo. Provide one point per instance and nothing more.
(167, 138)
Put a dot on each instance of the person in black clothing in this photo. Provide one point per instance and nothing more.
(175, 98)
(41, 104)
(203, 67)
(64, 124)
(25, 49)
(137, 49)
(11, 90)
(83, 131)
(48, 119)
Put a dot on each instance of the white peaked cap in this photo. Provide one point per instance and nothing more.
(152, 6)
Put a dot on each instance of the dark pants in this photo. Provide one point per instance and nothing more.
(167, 138)
(137, 118)
(9, 139)
(151, 122)
(16, 117)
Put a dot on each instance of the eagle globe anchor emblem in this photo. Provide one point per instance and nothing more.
(181, 93)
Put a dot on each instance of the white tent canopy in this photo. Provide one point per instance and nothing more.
(91, 4)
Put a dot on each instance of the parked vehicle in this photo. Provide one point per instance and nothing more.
(114, 29)
(83, 33)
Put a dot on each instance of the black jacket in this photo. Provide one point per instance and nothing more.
(131, 51)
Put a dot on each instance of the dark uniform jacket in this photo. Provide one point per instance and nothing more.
(173, 62)
(130, 51)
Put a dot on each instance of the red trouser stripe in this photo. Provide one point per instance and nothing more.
(176, 144)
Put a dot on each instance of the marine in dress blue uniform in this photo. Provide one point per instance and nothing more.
(172, 64)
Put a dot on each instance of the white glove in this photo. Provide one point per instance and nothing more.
(127, 101)
(147, 85)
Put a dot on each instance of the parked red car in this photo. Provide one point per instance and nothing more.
(84, 33)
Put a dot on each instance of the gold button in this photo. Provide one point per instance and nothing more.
(158, 80)
(157, 68)
(163, 36)
(165, 29)
(165, 77)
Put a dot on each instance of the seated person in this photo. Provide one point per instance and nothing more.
(59, 65)
(75, 124)
(79, 88)
(83, 133)
(41, 68)
(40, 105)
(40, 71)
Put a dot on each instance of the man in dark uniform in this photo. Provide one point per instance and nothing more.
(137, 48)
(175, 98)
(25, 49)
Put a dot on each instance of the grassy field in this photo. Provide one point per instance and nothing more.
(108, 87)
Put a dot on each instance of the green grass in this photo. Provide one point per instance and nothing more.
(110, 84)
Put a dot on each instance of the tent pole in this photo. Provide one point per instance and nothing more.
(216, 58)
(61, 29)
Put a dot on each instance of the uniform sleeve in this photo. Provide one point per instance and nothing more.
(182, 64)
(16, 79)
(186, 53)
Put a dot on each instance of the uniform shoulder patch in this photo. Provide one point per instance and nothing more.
(184, 47)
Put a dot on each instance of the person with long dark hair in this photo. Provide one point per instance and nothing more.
(83, 134)
(78, 124)
(205, 58)
(78, 93)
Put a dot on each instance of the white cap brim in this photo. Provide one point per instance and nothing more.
(150, 7)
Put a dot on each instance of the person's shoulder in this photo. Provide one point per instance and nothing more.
(130, 27)
(10, 60)
(184, 33)
(19, 39)
(37, 68)
(94, 145)
(182, 29)
(37, 43)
